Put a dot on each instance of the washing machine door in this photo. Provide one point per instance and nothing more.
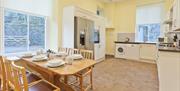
(120, 50)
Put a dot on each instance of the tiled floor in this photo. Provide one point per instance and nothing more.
(125, 75)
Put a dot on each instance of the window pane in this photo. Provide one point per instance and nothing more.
(15, 32)
(36, 32)
(149, 32)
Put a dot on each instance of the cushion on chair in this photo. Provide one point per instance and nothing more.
(42, 86)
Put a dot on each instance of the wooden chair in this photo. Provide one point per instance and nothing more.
(17, 80)
(63, 50)
(87, 54)
(3, 83)
(31, 77)
(69, 51)
(74, 51)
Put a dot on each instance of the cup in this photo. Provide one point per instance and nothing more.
(69, 60)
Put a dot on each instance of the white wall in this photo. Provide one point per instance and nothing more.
(42, 7)
(39, 7)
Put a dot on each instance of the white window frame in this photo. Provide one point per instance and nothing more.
(2, 49)
(1, 28)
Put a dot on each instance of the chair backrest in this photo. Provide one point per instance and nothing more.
(62, 49)
(76, 51)
(67, 50)
(2, 74)
(73, 51)
(87, 54)
(17, 79)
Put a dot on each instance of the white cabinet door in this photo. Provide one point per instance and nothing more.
(148, 51)
(169, 71)
(178, 15)
(132, 51)
(100, 47)
(175, 15)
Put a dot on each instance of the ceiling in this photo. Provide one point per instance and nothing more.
(110, 1)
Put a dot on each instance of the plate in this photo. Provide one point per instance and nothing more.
(56, 65)
(55, 61)
(76, 56)
(39, 58)
(61, 54)
(26, 55)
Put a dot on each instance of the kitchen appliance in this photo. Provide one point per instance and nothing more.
(161, 40)
(120, 51)
(97, 35)
(84, 33)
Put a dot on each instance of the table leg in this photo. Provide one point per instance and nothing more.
(66, 79)
(63, 86)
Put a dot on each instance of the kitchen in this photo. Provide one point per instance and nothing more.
(135, 43)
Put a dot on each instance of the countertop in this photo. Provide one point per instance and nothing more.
(133, 42)
(169, 49)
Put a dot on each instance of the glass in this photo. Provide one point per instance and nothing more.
(36, 32)
(23, 32)
(149, 32)
(15, 32)
(69, 60)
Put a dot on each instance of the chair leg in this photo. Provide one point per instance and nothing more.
(91, 79)
(81, 83)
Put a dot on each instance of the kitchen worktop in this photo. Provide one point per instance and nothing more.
(133, 42)
(169, 49)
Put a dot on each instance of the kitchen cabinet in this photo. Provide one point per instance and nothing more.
(148, 52)
(100, 47)
(132, 51)
(168, 64)
(68, 29)
(173, 17)
(176, 15)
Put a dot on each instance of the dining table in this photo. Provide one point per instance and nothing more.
(54, 74)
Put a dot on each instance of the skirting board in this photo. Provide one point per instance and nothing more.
(110, 54)
(100, 60)
(142, 60)
(148, 61)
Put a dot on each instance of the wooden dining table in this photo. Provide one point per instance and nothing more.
(54, 75)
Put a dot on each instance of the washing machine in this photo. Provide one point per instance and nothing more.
(120, 51)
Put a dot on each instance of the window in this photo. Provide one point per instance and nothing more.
(148, 22)
(23, 32)
(149, 32)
